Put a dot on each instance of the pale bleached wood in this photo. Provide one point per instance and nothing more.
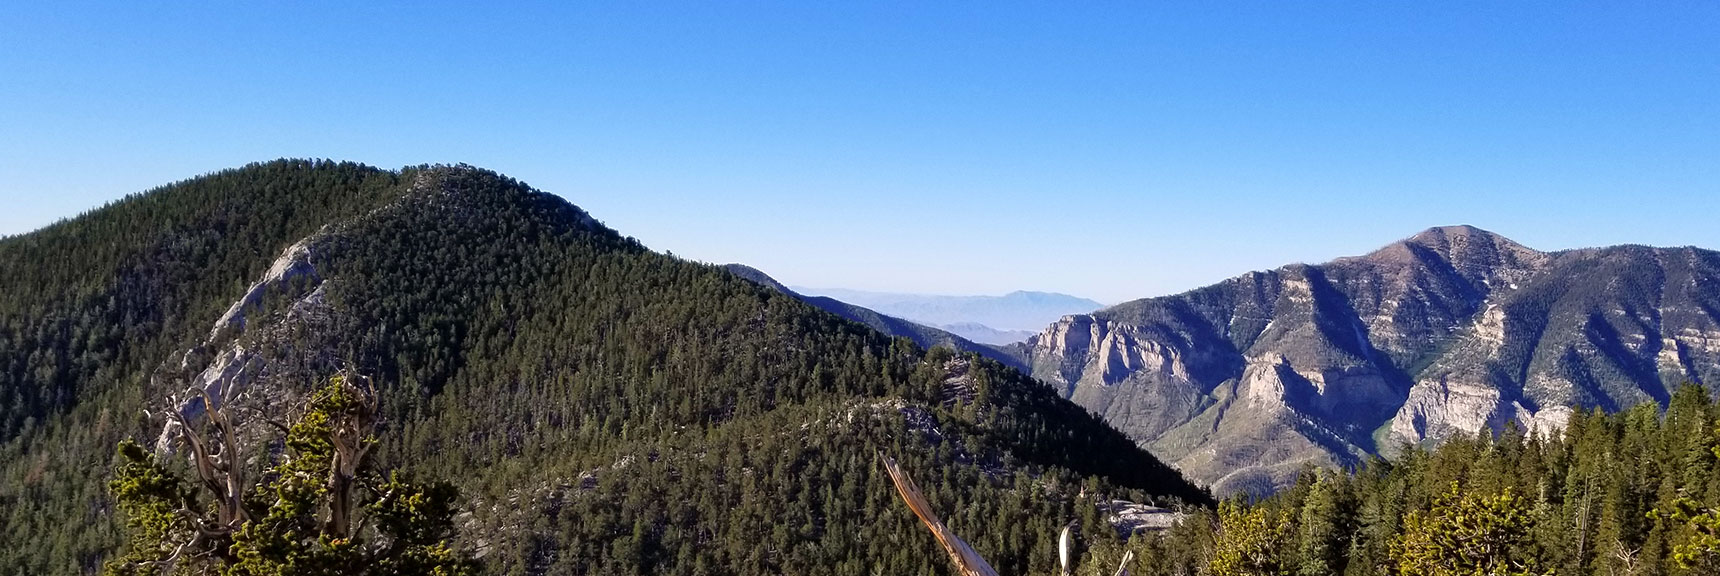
(967, 562)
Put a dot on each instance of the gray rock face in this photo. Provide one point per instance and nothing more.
(294, 263)
(1448, 332)
(1130, 518)
(237, 363)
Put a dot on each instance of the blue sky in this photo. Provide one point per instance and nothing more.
(1107, 150)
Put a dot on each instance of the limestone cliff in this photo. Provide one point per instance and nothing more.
(1447, 332)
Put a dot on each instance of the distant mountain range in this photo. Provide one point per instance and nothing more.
(987, 319)
(985, 334)
(925, 336)
(1450, 331)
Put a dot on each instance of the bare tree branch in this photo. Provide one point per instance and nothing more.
(968, 562)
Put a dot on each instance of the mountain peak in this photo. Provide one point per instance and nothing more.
(1475, 251)
(1442, 237)
(457, 288)
(1450, 331)
(1472, 251)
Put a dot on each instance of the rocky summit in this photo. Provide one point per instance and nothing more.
(1454, 330)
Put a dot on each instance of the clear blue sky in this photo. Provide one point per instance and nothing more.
(1106, 150)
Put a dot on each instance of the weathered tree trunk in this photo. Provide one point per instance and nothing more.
(350, 432)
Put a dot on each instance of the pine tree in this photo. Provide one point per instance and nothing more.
(301, 519)
(1466, 535)
(1323, 529)
(1252, 541)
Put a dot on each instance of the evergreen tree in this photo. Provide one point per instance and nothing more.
(301, 519)
(1252, 541)
(1467, 535)
(1324, 528)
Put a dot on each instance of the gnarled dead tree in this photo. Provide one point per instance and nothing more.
(351, 425)
(220, 468)
(346, 414)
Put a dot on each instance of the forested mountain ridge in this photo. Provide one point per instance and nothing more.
(925, 336)
(1448, 332)
(606, 409)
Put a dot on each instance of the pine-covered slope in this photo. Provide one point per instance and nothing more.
(606, 409)
(1453, 330)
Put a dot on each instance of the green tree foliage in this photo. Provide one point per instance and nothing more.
(1251, 541)
(1699, 551)
(1467, 535)
(1632, 493)
(93, 307)
(1696, 522)
(296, 521)
(1323, 528)
(606, 409)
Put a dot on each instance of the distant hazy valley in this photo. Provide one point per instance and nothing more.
(996, 320)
